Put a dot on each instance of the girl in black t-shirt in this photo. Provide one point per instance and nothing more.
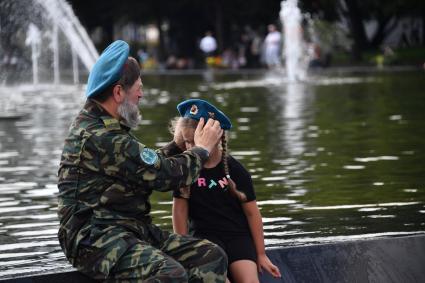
(221, 205)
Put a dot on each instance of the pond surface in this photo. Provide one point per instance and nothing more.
(335, 158)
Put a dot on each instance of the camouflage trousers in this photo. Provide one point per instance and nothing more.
(119, 256)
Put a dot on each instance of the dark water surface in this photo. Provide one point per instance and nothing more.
(332, 159)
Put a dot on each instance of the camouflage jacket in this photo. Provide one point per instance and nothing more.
(106, 176)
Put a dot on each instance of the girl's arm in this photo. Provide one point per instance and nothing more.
(180, 215)
(255, 222)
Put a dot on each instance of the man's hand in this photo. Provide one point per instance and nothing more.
(208, 135)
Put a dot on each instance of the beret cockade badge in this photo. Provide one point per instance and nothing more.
(194, 109)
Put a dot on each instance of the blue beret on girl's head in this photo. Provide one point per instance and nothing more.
(197, 108)
(107, 69)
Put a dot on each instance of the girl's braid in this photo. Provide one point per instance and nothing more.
(232, 186)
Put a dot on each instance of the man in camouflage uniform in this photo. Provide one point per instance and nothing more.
(106, 177)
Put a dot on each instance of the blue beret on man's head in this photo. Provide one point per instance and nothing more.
(197, 108)
(107, 69)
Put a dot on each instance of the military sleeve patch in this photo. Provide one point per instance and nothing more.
(149, 156)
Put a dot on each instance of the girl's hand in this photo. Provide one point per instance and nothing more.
(178, 137)
(264, 262)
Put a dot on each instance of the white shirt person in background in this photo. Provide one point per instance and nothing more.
(208, 44)
(272, 44)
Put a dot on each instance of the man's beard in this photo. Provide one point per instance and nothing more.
(130, 113)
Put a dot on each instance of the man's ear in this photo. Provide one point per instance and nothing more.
(118, 93)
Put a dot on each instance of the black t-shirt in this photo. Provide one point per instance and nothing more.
(211, 206)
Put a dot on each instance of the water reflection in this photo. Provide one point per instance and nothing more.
(30, 151)
(303, 170)
(297, 105)
(329, 161)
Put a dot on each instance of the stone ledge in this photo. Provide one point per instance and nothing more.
(397, 259)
